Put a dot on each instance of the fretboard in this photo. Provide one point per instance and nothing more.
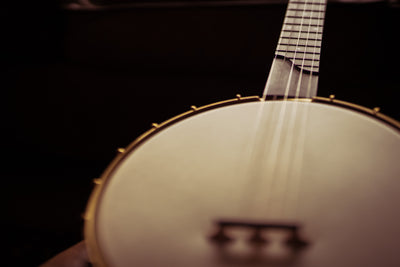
(294, 71)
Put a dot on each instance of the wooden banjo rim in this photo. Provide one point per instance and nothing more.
(90, 213)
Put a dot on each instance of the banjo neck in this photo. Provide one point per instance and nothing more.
(295, 68)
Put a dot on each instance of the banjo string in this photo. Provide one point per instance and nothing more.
(297, 122)
(299, 151)
(280, 146)
(259, 147)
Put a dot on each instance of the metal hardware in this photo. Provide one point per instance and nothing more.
(294, 241)
(372, 112)
(121, 150)
(97, 181)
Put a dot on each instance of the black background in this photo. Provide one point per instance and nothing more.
(76, 85)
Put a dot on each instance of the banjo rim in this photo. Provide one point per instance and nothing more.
(95, 254)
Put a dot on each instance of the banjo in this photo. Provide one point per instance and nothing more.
(285, 179)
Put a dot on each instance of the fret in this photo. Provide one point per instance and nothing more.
(313, 67)
(307, 66)
(293, 55)
(307, 56)
(297, 52)
(297, 31)
(291, 38)
(307, 25)
(304, 7)
(302, 29)
(303, 17)
(302, 14)
(308, 61)
(296, 42)
(307, 3)
(300, 35)
(300, 45)
(303, 22)
(313, 70)
(303, 25)
(305, 10)
(284, 48)
(296, 55)
(305, 62)
(299, 48)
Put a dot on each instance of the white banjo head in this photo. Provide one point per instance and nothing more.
(315, 173)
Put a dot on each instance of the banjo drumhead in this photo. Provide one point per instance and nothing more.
(332, 170)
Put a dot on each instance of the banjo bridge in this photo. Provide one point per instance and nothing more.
(257, 233)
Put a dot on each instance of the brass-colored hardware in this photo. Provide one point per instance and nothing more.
(154, 125)
(84, 216)
(121, 150)
(372, 112)
(331, 97)
(97, 181)
(238, 96)
(376, 110)
(194, 108)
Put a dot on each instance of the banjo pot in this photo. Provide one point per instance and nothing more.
(299, 182)
(248, 182)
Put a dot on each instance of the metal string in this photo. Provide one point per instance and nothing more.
(292, 171)
(281, 148)
(259, 147)
(278, 151)
(296, 142)
(297, 164)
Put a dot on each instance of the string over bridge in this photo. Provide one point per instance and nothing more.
(294, 241)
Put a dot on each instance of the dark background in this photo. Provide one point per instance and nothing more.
(76, 85)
